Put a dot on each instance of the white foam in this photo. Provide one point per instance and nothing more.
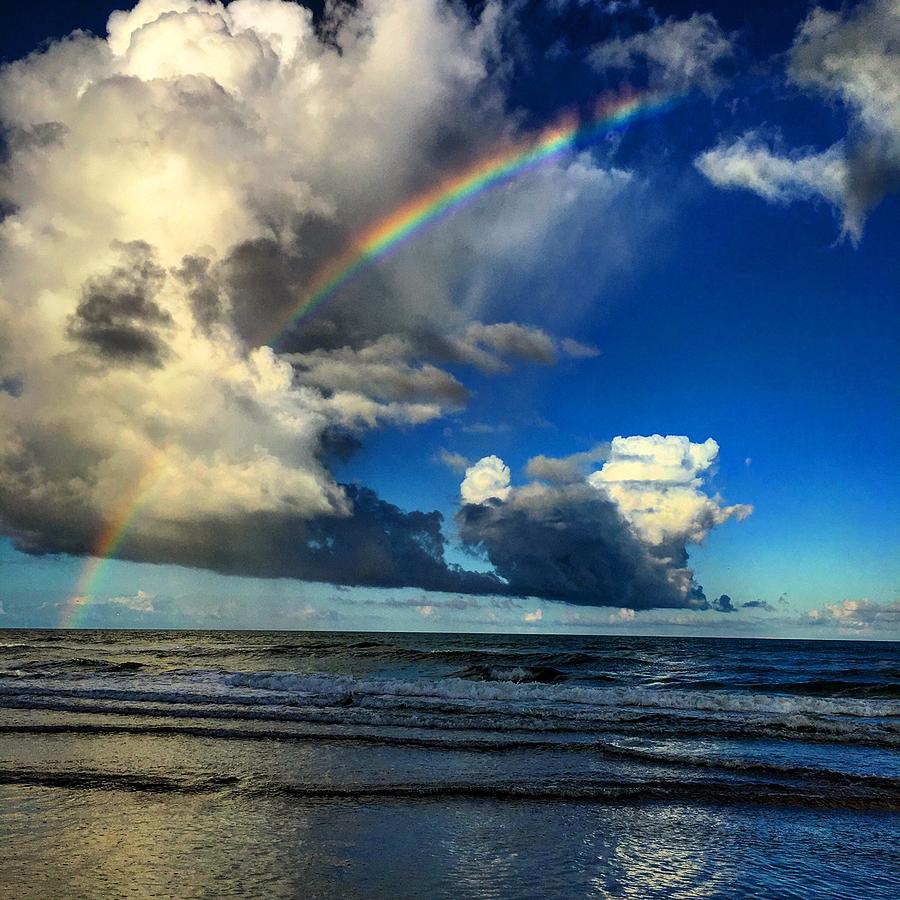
(458, 689)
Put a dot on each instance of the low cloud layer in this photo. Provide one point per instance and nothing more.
(850, 56)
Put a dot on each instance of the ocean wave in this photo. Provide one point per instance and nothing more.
(724, 792)
(515, 674)
(831, 687)
(50, 668)
(281, 687)
(459, 704)
(466, 690)
(644, 755)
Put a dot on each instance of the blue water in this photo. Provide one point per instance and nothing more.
(328, 764)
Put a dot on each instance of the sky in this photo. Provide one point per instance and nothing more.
(572, 316)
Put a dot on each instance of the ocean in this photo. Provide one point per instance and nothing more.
(262, 764)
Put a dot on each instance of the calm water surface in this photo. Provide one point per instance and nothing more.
(203, 764)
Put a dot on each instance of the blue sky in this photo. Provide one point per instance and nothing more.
(731, 265)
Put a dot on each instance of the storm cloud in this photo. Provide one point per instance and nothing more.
(571, 543)
(171, 189)
(174, 189)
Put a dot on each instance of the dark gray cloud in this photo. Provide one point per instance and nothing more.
(566, 469)
(758, 604)
(117, 317)
(11, 385)
(571, 544)
(380, 371)
(203, 291)
(375, 545)
(723, 604)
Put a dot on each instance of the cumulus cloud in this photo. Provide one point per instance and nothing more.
(724, 604)
(850, 56)
(857, 615)
(657, 481)
(570, 543)
(678, 54)
(488, 479)
(172, 188)
(616, 537)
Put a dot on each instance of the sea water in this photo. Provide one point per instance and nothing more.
(264, 764)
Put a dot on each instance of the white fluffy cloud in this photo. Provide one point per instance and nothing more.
(657, 481)
(173, 187)
(488, 478)
(749, 163)
(851, 56)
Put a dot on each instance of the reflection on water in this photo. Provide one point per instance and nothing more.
(99, 843)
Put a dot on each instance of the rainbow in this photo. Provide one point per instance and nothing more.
(448, 195)
(373, 245)
(71, 613)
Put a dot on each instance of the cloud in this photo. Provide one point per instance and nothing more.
(748, 163)
(566, 468)
(488, 478)
(723, 604)
(173, 188)
(570, 543)
(656, 482)
(117, 318)
(622, 616)
(677, 54)
(758, 604)
(616, 537)
(849, 56)
(863, 615)
(534, 616)
(140, 601)
(579, 350)
(456, 462)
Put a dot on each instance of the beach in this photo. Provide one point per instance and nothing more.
(198, 764)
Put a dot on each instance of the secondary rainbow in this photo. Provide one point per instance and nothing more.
(373, 245)
(449, 194)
